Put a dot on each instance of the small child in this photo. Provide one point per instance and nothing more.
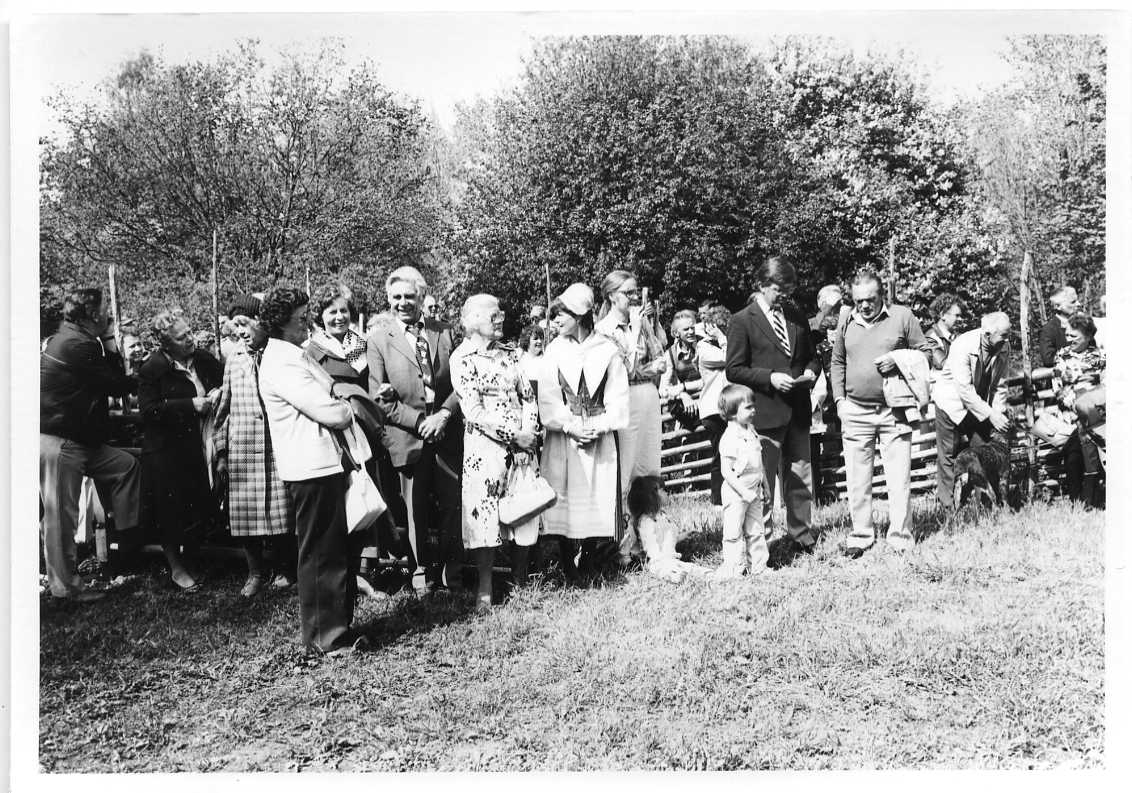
(741, 462)
(647, 500)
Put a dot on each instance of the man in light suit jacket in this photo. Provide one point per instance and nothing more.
(409, 352)
(970, 396)
(770, 350)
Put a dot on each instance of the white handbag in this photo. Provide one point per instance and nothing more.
(526, 496)
(364, 504)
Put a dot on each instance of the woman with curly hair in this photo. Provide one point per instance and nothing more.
(1078, 371)
(178, 387)
(310, 429)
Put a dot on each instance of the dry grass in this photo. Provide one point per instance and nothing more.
(982, 648)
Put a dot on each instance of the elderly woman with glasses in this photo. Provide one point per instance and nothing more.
(500, 432)
(178, 387)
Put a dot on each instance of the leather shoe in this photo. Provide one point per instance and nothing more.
(797, 549)
(854, 553)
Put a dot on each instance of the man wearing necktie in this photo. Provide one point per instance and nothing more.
(769, 350)
(408, 362)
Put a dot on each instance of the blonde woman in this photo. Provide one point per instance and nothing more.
(628, 322)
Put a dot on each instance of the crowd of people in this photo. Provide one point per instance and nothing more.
(459, 429)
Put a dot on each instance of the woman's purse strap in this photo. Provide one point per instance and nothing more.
(349, 463)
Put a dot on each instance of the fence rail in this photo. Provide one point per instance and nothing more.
(685, 454)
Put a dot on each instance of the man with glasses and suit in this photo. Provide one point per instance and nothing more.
(770, 350)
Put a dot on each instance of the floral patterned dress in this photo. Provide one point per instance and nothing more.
(497, 401)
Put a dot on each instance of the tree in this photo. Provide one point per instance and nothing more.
(1039, 144)
(308, 164)
(645, 153)
(875, 161)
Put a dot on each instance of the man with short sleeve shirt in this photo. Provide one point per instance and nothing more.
(861, 360)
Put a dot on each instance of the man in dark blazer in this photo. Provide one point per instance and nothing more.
(770, 350)
(408, 359)
(1051, 338)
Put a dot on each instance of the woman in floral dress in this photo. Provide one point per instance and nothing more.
(500, 431)
(1078, 369)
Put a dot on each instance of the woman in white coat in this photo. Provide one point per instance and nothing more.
(303, 414)
(583, 397)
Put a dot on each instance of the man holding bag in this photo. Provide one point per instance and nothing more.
(304, 418)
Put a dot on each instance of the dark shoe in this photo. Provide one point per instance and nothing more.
(347, 647)
(797, 549)
(854, 553)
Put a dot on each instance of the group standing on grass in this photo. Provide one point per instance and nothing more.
(451, 424)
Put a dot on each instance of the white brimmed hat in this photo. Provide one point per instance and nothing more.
(578, 298)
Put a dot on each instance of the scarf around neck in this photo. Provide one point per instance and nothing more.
(352, 348)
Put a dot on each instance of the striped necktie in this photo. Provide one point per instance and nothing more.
(424, 358)
(778, 322)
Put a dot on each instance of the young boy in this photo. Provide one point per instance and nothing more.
(740, 457)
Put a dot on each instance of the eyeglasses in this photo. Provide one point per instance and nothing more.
(498, 316)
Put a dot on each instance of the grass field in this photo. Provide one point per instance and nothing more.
(981, 648)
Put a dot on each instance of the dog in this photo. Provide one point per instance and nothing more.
(981, 472)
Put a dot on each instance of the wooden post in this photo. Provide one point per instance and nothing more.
(891, 270)
(215, 296)
(546, 330)
(1027, 380)
(116, 315)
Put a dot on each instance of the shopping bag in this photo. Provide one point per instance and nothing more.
(1053, 429)
(364, 504)
(526, 496)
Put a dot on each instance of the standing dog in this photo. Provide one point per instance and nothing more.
(982, 470)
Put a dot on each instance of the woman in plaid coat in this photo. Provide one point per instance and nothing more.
(259, 507)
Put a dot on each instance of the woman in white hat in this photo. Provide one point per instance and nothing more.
(583, 397)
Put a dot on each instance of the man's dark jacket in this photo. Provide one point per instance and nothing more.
(753, 353)
(1051, 338)
(76, 377)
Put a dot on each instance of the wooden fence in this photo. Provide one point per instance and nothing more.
(686, 455)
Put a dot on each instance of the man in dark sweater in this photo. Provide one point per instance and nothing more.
(862, 358)
(1051, 338)
(79, 370)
